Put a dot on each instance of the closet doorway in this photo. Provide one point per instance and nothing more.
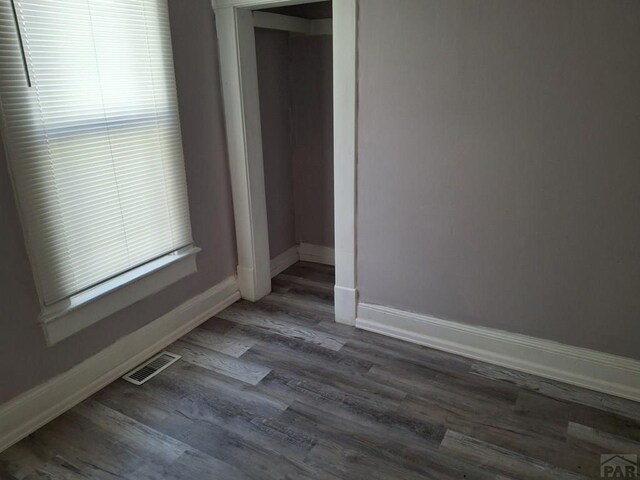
(293, 52)
(236, 23)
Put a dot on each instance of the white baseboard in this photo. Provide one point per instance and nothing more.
(317, 254)
(594, 370)
(306, 252)
(345, 302)
(26, 413)
(284, 260)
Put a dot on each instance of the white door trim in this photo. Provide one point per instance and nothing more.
(242, 116)
(345, 21)
(288, 23)
(236, 41)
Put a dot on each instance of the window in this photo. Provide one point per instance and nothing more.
(90, 122)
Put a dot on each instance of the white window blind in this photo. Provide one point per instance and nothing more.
(94, 142)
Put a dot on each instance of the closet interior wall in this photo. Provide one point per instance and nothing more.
(296, 112)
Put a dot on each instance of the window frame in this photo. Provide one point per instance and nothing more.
(70, 315)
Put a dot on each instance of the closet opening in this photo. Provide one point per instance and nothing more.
(307, 64)
(295, 84)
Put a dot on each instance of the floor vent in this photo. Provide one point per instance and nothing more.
(150, 368)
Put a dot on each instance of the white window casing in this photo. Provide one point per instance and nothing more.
(90, 122)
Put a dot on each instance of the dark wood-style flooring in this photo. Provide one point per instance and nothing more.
(278, 390)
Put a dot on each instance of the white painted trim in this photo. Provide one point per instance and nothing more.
(31, 410)
(305, 252)
(586, 368)
(284, 260)
(345, 20)
(253, 4)
(236, 41)
(288, 23)
(275, 21)
(317, 254)
(66, 318)
(345, 302)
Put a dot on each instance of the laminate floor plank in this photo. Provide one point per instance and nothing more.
(294, 302)
(250, 458)
(542, 408)
(302, 287)
(277, 390)
(391, 450)
(214, 428)
(286, 283)
(286, 324)
(218, 362)
(352, 408)
(312, 271)
(560, 390)
(383, 356)
(191, 465)
(227, 343)
(278, 346)
(504, 460)
(340, 374)
(504, 428)
(86, 449)
(354, 464)
(423, 381)
(30, 459)
(604, 440)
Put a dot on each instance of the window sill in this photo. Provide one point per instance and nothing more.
(69, 316)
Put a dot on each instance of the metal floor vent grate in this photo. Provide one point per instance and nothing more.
(150, 368)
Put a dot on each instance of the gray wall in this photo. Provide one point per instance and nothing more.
(312, 113)
(25, 360)
(272, 53)
(499, 165)
(296, 111)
